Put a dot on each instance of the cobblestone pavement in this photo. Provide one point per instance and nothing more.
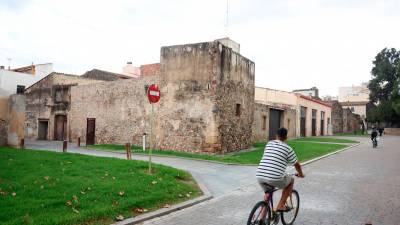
(358, 186)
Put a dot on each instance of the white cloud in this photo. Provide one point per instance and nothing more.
(295, 44)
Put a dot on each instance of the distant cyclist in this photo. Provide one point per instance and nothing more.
(380, 130)
(374, 134)
(271, 170)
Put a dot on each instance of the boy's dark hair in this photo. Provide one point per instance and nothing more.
(282, 133)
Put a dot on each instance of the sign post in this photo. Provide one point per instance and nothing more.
(153, 94)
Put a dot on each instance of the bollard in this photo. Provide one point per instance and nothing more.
(79, 141)
(144, 141)
(22, 143)
(64, 146)
(128, 151)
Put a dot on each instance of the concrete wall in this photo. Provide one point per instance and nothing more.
(41, 104)
(121, 110)
(271, 96)
(10, 79)
(16, 119)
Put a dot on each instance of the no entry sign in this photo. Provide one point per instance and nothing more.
(153, 93)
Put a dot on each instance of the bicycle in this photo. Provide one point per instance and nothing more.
(266, 206)
(374, 142)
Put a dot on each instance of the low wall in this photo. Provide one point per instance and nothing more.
(392, 131)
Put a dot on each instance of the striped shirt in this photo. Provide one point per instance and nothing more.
(277, 156)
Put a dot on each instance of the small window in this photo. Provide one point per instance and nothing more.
(58, 95)
(264, 122)
(238, 109)
(20, 89)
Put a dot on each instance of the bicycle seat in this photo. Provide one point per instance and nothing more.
(270, 188)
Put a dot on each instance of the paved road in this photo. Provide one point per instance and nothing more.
(216, 177)
(354, 187)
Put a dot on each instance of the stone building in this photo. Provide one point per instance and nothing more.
(207, 103)
(47, 106)
(302, 115)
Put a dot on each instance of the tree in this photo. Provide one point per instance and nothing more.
(384, 86)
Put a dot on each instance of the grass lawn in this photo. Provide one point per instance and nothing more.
(304, 150)
(40, 187)
(325, 139)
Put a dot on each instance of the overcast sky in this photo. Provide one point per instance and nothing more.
(295, 44)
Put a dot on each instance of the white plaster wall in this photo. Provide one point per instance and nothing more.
(10, 79)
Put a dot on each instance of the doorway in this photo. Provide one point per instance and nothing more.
(43, 128)
(314, 123)
(90, 131)
(322, 123)
(303, 113)
(60, 127)
(274, 122)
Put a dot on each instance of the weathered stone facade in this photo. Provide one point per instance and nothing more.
(207, 102)
(337, 117)
(48, 98)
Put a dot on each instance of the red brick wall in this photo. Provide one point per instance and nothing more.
(150, 69)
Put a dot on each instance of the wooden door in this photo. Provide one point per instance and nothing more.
(60, 127)
(90, 131)
(274, 123)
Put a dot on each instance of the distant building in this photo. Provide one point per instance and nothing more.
(329, 98)
(20, 78)
(302, 115)
(355, 98)
(130, 70)
(143, 70)
(311, 92)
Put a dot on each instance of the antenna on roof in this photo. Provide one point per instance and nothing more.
(9, 63)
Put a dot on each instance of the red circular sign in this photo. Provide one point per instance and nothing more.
(153, 93)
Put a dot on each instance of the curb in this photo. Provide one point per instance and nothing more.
(165, 211)
(329, 154)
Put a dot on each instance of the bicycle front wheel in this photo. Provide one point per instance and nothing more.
(260, 214)
(293, 203)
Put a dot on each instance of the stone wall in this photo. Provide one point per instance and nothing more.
(261, 130)
(3, 120)
(261, 123)
(120, 108)
(337, 117)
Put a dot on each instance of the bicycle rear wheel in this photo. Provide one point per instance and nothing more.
(293, 202)
(255, 217)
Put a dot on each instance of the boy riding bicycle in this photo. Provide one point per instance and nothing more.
(271, 170)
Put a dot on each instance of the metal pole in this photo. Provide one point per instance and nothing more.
(151, 136)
